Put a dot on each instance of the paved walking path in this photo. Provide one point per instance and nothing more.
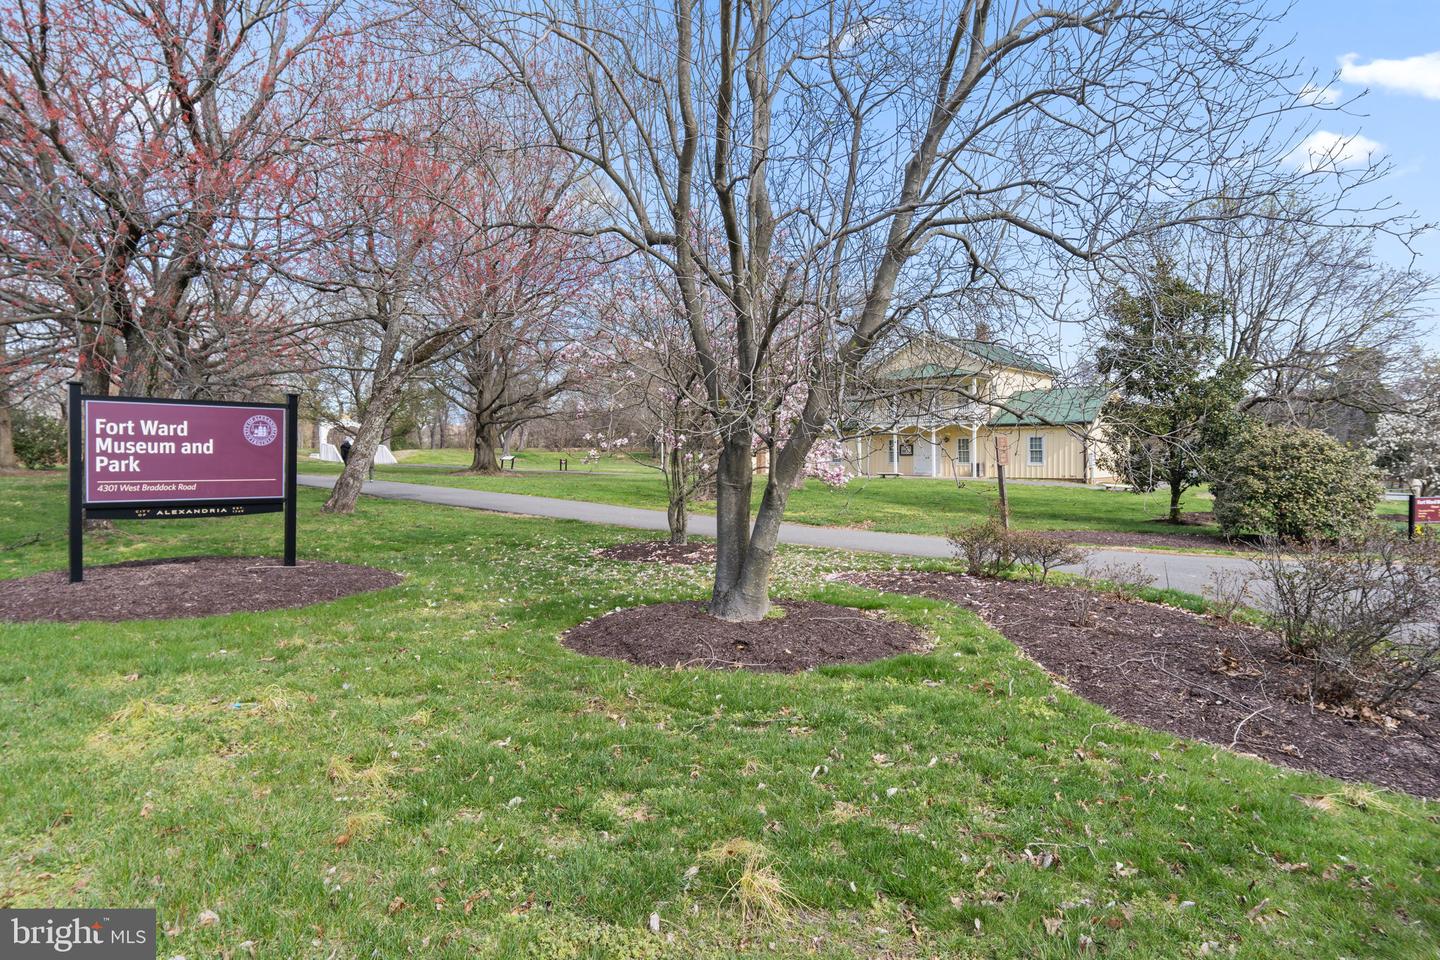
(1189, 572)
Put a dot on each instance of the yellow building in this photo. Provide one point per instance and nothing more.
(926, 424)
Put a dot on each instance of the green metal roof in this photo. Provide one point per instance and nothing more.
(1057, 405)
(1001, 355)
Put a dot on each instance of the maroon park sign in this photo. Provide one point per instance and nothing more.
(142, 458)
(145, 452)
(1424, 510)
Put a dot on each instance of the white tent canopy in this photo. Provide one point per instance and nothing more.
(331, 453)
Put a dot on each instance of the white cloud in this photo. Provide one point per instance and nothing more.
(861, 31)
(1333, 152)
(1317, 96)
(1419, 75)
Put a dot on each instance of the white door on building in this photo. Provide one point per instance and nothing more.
(924, 457)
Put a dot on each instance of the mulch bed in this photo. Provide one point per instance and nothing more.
(1194, 676)
(184, 587)
(660, 551)
(683, 635)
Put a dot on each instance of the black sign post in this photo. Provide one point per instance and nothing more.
(77, 491)
(82, 507)
(292, 434)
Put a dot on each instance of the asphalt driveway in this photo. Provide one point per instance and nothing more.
(1188, 572)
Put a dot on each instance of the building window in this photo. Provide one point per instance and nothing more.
(1037, 451)
(890, 449)
(962, 453)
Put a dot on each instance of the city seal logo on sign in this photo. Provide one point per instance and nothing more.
(260, 430)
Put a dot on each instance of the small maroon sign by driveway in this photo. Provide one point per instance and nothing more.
(1427, 509)
(168, 452)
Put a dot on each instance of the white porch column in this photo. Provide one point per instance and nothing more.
(860, 464)
(974, 447)
(934, 454)
(894, 452)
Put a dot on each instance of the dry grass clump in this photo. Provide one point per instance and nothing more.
(749, 868)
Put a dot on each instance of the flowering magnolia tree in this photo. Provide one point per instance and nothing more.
(603, 446)
(643, 368)
(824, 461)
(1407, 442)
(648, 366)
(649, 363)
(1407, 448)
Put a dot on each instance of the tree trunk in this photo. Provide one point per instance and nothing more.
(742, 589)
(8, 460)
(743, 554)
(733, 480)
(486, 438)
(1004, 496)
(1176, 489)
(383, 404)
(139, 374)
(676, 512)
(93, 361)
(798, 483)
(748, 596)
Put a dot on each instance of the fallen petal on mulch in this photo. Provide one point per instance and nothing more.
(1195, 676)
(660, 551)
(184, 587)
(684, 635)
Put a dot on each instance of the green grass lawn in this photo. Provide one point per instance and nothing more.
(427, 771)
(898, 506)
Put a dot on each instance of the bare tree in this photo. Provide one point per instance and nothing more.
(506, 375)
(33, 361)
(814, 175)
(1325, 327)
(524, 297)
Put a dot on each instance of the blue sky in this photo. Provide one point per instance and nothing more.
(1391, 48)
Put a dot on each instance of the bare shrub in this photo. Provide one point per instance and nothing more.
(1040, 554)
(1228, 591)
(1365, 614)
(1124, 581)
(985, 547)
(1082, 607)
